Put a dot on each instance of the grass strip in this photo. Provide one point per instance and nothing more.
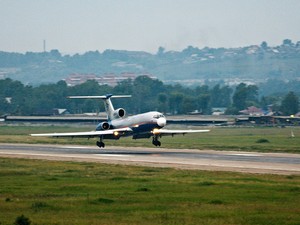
(49, 192)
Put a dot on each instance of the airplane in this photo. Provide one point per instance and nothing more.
(118, 124)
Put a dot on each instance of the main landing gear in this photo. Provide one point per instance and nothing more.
(155, 141)
(100, 143)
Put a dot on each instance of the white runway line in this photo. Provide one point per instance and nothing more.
(246, 154)
(75, 147)
(112, 155)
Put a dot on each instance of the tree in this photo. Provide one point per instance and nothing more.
(145, 91)
(264, 45)
(290, 104)
(4, 106)
(55, 54)
(162, 102)
(175, 102)
(188, 105)
(269, 101)
(203, 103)
(245, 96)
(240, 96)
(220, 96)
(287, 42)
(160, 51)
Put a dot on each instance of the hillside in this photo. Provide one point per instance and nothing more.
(255, 63)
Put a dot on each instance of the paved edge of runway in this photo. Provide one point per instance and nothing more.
(228, 168)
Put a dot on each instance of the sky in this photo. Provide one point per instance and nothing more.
(78, 26)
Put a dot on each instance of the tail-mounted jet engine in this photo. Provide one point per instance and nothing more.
(103, 126)
(119, 113)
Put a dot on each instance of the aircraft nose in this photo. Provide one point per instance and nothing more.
(161, 122)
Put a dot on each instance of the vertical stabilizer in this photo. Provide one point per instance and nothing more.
(109, 108)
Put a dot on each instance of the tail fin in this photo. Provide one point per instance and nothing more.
(109, 108)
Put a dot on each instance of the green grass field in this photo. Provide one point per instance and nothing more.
(261, 139)
(49, 192)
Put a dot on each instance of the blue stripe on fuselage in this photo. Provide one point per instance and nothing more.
(148, 127)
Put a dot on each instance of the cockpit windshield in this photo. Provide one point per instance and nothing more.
(157, 116)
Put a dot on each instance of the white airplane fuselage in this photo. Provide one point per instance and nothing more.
(140, 123)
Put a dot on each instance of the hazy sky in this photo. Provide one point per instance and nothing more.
(77, 26)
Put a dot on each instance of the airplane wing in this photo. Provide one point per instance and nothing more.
(90, 134)
(164, 132)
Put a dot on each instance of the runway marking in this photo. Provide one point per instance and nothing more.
(246, 154)
(75, 147)
(112, 155)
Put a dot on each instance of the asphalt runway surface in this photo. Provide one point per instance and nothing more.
(249, 162)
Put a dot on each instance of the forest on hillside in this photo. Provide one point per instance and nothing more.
(147, 95)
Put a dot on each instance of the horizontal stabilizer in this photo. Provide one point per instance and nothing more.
(100, 97)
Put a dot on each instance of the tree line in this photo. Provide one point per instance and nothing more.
(147, 94)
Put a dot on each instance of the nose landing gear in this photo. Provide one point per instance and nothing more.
(155, 141)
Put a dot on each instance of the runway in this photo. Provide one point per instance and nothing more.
(249, 162)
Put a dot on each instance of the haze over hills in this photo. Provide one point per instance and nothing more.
(253, 64)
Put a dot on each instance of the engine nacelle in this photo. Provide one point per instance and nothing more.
(119, 113)
(103, 126)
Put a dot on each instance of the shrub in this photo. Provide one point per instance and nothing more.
(216, 202)
(102, 201)
(206, 183)
(144, 189)
(38, 205)
(22, 220)
(262, 140)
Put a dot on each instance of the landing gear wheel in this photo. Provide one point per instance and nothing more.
(156, 142)
(100, 144)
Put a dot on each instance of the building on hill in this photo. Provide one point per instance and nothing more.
(76, 79)
(110, 79)
(252, 111)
